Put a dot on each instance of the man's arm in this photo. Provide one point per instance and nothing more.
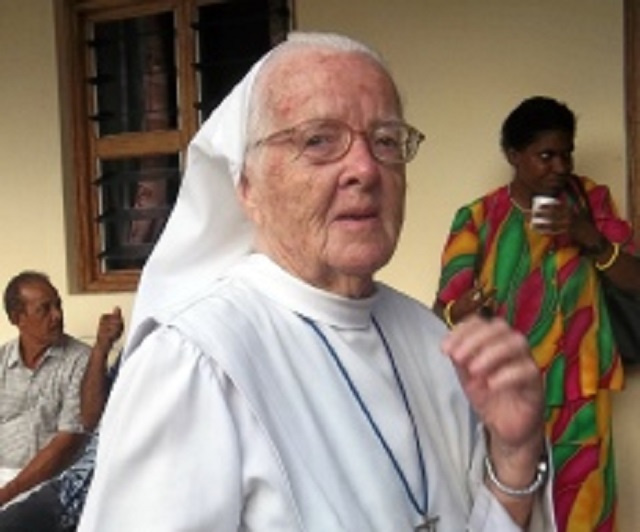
(95, 387)
(51, 460)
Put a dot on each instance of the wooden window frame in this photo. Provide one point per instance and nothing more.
(83, 150)
(632, 103)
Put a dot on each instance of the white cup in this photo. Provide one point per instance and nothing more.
(539, 221)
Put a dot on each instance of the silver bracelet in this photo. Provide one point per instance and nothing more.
(540, 478)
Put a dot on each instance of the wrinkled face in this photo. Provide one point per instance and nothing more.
(332, 224)
(544, 165)
(41, 321)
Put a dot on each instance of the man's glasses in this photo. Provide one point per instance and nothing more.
(325, 141)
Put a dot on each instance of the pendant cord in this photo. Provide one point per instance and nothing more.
(421, 509)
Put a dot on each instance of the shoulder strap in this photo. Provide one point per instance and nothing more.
(579, 193)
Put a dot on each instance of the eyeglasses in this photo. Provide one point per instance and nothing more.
(325, 141)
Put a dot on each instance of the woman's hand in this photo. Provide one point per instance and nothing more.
(474, 301)
(553, 217)
(561, 218)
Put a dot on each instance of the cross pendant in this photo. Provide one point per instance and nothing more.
(429, 524)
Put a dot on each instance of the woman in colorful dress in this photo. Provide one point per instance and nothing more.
(543, 277)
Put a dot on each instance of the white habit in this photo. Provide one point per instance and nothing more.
(233, 415)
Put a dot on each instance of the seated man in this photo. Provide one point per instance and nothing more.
(57, 504)
(41, 426)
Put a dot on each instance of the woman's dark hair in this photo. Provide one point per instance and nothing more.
(534, 116)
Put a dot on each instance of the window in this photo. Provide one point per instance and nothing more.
(139, 77)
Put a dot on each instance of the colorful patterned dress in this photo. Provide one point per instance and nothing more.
(550, 292)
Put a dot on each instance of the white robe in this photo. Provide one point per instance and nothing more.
(234, 416)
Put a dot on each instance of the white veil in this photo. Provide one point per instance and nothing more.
(207, 231)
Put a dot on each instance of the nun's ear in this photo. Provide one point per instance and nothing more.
(247, 197)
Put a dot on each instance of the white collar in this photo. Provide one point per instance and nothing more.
(287, 290)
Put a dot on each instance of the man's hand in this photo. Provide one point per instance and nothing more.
(5, 495)
(94, 389)
(48, 462)
(110, 329)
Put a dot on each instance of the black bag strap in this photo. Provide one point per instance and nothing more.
(576, 189)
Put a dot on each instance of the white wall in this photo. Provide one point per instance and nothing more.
(32, 220)
(462, 66)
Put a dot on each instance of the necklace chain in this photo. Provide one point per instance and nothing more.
(420, 508)
(515, 203)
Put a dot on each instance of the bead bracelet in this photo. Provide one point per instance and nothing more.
(446, 313)
(602, 266)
